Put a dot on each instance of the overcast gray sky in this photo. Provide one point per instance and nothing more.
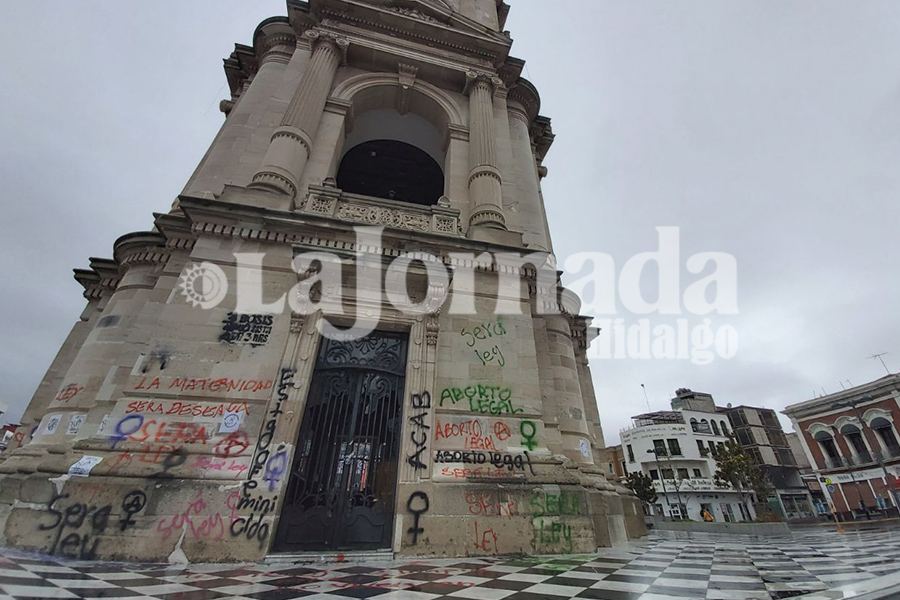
(767, 130)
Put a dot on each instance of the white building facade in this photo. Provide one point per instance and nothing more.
(677, 450)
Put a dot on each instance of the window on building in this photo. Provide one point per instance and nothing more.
(884, 431)
(829, 449)
(724, 428)
(697, 474)
(674, 447)
(701, 448)
(769, 418)
(667, 474)
(715, 428)
(712, 448)
(654, 474)
(785, 457)
(755, 455)
(630, 453)
(659, 447)
(743, 437)
(683, 474)
(853, 436)
(737, 418)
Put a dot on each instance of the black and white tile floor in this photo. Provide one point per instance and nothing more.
(654, 569)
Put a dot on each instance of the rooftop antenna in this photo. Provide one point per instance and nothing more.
(646, 399)
(850, 383)
(841, 383)
(824, 393)
(878, 357)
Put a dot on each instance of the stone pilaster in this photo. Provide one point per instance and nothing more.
(485, 190)
(291, 143)
(523, 105)
(258, 77)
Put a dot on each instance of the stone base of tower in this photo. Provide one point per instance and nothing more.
(97, 518)
(468, 428)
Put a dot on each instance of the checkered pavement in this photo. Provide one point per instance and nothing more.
(656, 568)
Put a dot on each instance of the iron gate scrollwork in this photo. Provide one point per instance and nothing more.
(343, 479)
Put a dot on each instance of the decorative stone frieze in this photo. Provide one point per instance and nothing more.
(332, 202)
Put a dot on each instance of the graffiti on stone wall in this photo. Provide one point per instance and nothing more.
(417, 504)
(478, 338)
(498, 460)
(481, 398)
(528, 429)
(225, 385)
(420, 409)
(187, 408)
(77, 526)
(473, 433)
(489, 504)
(485, 538)
(267, 471)
(549, 511)
(67, 392)
(198, 521)
(252, 330)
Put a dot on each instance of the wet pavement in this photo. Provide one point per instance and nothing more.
(815, 561)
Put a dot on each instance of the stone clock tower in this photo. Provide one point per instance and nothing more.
(213, 402)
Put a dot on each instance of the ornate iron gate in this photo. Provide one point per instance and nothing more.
(342, 485)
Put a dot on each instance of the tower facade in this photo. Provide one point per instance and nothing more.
(347, 333)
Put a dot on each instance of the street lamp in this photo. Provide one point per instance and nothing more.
(854, 404)
(663, 478)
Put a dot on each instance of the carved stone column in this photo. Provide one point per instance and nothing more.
(485, 191)
(291, 143)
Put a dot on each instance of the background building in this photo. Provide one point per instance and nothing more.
(851, 439)
(759, 433)
(808, 476)
(677, 450)
(615, 463)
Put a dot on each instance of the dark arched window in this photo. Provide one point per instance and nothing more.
(392, 170)
(715, 427)
(883, 428)
(853, 435)
(832, 456)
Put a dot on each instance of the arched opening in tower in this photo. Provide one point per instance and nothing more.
(393, 170)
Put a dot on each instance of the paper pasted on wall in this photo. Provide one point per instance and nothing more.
(83, 466)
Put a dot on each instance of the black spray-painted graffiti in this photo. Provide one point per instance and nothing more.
(512, 462)
(272, 467)
(82, 543)
(246, 329)
(133, 503)
(419, 431)
(417, 512)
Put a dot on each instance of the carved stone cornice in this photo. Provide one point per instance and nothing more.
(524, 101)
(436, 28)
(542, 135)
(100, 279)
(140, 248)
(274, 40)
